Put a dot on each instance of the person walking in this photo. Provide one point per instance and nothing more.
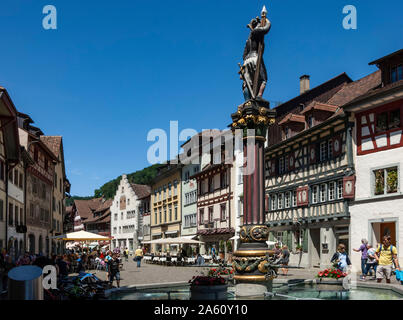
(372, 263)
(341, 259)
(114, 270)
(386, 254)
(364, 256)
(126, 254)
(285, 257)
(138, 256)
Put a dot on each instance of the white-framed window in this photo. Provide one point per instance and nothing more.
(330, 149)
(175, 188)
(294, 198)
(287, 199)
(116, 217)
(280, 201)
(340, 189)
(273, 202)
(332, 191)
(386, 181)
(323, 192)
(315, 193)
(323, 151)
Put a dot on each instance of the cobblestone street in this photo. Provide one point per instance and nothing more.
(151, 274)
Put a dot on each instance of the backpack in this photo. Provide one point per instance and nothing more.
(391, 249)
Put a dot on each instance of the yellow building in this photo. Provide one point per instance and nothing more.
(166, 216)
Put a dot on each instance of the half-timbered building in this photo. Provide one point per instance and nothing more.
(310, 169)
(215, 197)
(378, 156)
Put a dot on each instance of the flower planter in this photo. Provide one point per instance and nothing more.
(329, 284)
(214, 292)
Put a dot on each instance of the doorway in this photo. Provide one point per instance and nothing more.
(389, 229)
(315, 247)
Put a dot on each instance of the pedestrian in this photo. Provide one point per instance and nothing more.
(82, 262)
(114, 270)
(277, 251)
(372, 263)
(340, 259)
(364, 257)
(213, 253)
(7, 266)
(386, 254)
(138, 256)
(285, 257)
(126, 254)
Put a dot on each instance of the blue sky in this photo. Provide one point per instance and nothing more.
(113, 70)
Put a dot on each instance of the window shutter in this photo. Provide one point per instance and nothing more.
(312, 154)
(336, 145)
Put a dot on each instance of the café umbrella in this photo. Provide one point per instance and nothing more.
(81, 236)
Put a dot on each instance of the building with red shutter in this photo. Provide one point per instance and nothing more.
(378, 157)
(310, 173)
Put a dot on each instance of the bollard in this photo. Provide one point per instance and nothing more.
(25, 283)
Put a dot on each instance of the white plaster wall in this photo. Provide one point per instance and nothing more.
(362, 213)
(129, 194)
(365, 164)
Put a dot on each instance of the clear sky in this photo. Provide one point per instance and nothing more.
(113, 70)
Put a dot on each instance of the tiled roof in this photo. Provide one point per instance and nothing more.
(53, 143)
(356, 89)
(291, 117)
(105, 217)
(315, 105)
(104, 205)
(86, 208)
(141, 190)
(376, 91)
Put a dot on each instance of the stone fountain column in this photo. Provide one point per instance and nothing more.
(250, 260)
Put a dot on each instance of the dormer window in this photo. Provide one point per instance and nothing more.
(396, 73)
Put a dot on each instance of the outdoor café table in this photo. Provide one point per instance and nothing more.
(191, 260)
(174, 260)
(163, 260)
(207, 258)
(156, 259)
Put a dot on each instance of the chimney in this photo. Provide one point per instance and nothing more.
(304, 83)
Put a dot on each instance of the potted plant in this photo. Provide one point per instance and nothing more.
(212, 286)
(330, 280)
